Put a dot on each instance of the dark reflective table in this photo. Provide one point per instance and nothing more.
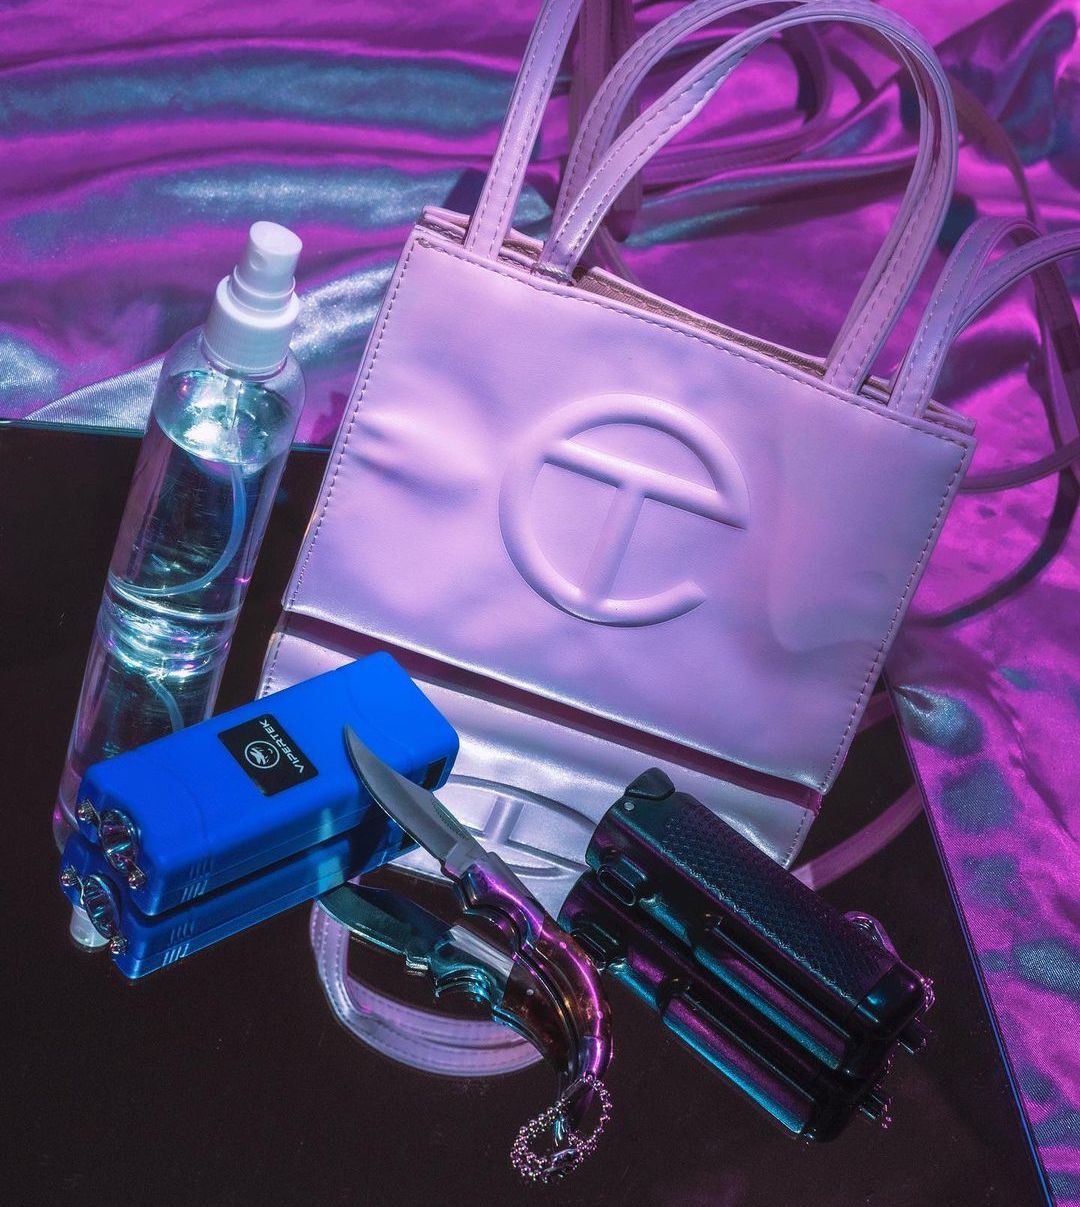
(226, 1079)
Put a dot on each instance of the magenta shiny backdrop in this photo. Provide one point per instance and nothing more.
(139, 141)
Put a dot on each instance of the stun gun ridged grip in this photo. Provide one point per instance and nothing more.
(142, 943)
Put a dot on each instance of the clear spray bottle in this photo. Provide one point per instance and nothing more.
(221, 425)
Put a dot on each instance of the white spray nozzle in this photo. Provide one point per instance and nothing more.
(265, 275)
(255, 308)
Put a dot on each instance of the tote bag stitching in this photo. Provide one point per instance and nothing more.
(278, 640)
(615, 187)
(622, 69)
(452, 231)
(620, 74)
(510, 120)
(559, 292)
(875, 666)
(897, 261)
(352, 420)
(807, 817)
(943, 335)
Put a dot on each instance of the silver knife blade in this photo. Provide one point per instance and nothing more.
(383, 919)
(454, 956)
(416, 810)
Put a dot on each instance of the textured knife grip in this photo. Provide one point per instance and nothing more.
(706, 879)
(775, 905)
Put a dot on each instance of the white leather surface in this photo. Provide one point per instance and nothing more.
(735, 592)
(534, 789)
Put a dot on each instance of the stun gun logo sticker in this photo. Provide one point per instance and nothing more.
(554, 441)
(267, 755)
(262, 754)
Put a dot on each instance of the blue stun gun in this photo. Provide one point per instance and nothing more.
(206, 807)
(141, 943)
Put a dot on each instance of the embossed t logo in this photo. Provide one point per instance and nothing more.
(554, 442)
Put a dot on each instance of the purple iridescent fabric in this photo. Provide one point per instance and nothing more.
(139, 141)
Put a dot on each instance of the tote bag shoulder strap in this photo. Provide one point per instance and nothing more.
(963, 280)
(614, 97)
(1002, 274)
(532, 89)
(969, 285)
(891, 280)
(1038, 256)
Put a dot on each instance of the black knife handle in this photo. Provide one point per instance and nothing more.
(751, 1049)
(665, 853)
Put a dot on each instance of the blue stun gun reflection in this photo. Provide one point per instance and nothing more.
(141, 943)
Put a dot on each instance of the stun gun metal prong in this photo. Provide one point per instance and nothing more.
(119, 839)
(87, 814)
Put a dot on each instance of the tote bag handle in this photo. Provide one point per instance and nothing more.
(532, 89)
(969, 286)
(611, 112)
(689, 164)
(605, 31)
(908, 246)
(602, 124)
(606, 28)
(746, 166)
(965, 277)
(915, 380)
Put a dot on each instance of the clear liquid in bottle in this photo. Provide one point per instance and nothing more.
(207, 474)
(206, 479)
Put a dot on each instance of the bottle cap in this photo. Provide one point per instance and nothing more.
(255, 308)
(83, 931)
